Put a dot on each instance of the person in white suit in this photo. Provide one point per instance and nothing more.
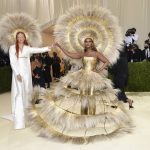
(21, 90)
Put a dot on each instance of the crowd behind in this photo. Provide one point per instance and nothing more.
(46, 68)
(134, 53)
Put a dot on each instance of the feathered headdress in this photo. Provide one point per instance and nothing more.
(10, 24)
(99, 24)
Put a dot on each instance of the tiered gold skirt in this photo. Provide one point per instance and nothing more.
(80, 108)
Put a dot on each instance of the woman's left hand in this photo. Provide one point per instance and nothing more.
(97, 71)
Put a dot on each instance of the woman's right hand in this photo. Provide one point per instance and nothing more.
(19, 78)
(70, 54)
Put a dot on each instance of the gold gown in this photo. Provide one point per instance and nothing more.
(79, 108)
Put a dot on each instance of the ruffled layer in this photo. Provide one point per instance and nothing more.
(85, 80)
(73, 99)
(61, 114)
(54, 121)
(63, 119)
(50, 132)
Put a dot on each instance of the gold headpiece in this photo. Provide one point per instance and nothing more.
(12, 36)
(98, 24)
(20, 30)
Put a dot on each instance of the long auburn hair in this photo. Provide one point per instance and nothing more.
(93, 46)
(17, 44)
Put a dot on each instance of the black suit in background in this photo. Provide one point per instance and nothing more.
(137, 55)
(56, 67)
(130, 55)
(120, 74)
(38, 71)
(144, 55)
(47, 62)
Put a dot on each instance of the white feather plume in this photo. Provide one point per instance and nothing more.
(18, 21)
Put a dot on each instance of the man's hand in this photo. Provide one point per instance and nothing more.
(37, 77)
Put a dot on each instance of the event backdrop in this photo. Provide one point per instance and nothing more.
(131, 13)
